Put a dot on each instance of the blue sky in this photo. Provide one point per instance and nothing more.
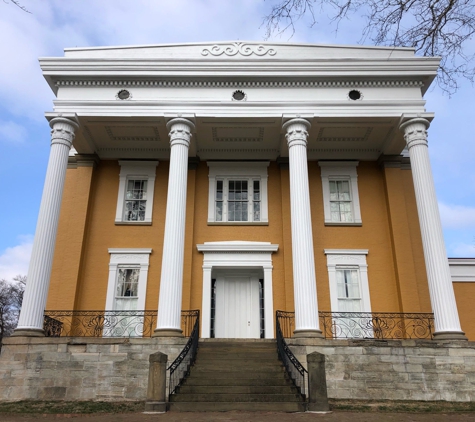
(56, 24)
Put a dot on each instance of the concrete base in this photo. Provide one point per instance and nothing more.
(450, 335)
(28, 332)
(167, 332)
(308, 334)
(155, 407)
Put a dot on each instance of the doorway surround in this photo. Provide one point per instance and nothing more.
(238, 255)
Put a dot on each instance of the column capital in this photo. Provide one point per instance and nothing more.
(415, 131)
(296, 131)
(63, 131)
(181, 131)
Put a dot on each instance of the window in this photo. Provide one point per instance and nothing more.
(135, 199)
(238, 193)
(128, 271)
(340, 192)
(349, 293)
(126, 290)
(348, 289)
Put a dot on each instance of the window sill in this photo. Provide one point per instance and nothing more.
(133, 223)
(344, 224)
(238, 223)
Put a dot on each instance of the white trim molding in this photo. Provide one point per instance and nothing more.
(462, 270)
(237, 255)
(348, 258)
(340, 170)
(129, 170)
(242, 170)
(131, 258)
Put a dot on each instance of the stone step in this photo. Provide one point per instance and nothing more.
(244, 398)
(236, 373)
(236, 382)
(241, 354)
(229, 406)
(237, 365)
(233, 389)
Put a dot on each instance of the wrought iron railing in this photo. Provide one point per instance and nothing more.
(367, 325)
(297, 373)
(108, 323)
(180, 368)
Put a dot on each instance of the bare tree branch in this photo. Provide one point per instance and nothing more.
(432, 27)
(18, 4)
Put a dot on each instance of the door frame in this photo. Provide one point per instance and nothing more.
(238, 256)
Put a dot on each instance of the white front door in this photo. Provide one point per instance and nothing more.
(237, 307)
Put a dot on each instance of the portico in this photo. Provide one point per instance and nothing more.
(217, 105)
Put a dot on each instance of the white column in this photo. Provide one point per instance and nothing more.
(305, 287)
(39, 272)
(447, 323)
(171, 281)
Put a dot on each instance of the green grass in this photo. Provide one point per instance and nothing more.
(70, 407)
(400, 406)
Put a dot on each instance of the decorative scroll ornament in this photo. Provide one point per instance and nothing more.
(238, 48)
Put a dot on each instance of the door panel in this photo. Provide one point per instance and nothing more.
(237, 307)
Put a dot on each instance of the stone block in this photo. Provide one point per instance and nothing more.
(110, 357)
(462, 352)
(51, 393)
(83, 357)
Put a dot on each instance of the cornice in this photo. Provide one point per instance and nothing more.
(244, 84)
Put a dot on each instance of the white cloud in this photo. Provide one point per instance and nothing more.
(462, 250)
(457, 216)
(12, 132)
(15, 259)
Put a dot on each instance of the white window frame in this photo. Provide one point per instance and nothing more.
(128, 258)
(237, 171)
(136, 170)
(348, 259)
(340, 170)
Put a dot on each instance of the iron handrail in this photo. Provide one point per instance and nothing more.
(180, 368)
(297, 373)
(367, 325)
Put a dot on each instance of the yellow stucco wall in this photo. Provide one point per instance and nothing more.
(390, 231)
(465, 295)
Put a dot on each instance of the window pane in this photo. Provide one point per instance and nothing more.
(257, 190)
(245, 212)
(219, 190)
(257, 211)
(127, 282)
(219, 211)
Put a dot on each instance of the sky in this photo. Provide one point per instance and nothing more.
(54, 25)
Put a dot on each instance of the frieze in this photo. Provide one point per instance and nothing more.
(238, 48)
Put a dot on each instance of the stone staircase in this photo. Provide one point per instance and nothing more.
(237, 375)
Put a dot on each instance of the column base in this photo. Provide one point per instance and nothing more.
(28, 332)
(167, 332)
(450, 335)
(308, 334)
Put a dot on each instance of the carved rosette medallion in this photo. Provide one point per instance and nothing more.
(238, 48)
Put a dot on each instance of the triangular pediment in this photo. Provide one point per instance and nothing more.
(240, 50)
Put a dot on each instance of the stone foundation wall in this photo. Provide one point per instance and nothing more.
(79, 368)
(117, 369)
(394, 370)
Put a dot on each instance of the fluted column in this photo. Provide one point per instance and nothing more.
(305, 288)
(447, 323)
(39, 271)
(171, 281)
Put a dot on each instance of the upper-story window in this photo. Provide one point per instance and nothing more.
(340, 192)
(238, 193)
(135, 198)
